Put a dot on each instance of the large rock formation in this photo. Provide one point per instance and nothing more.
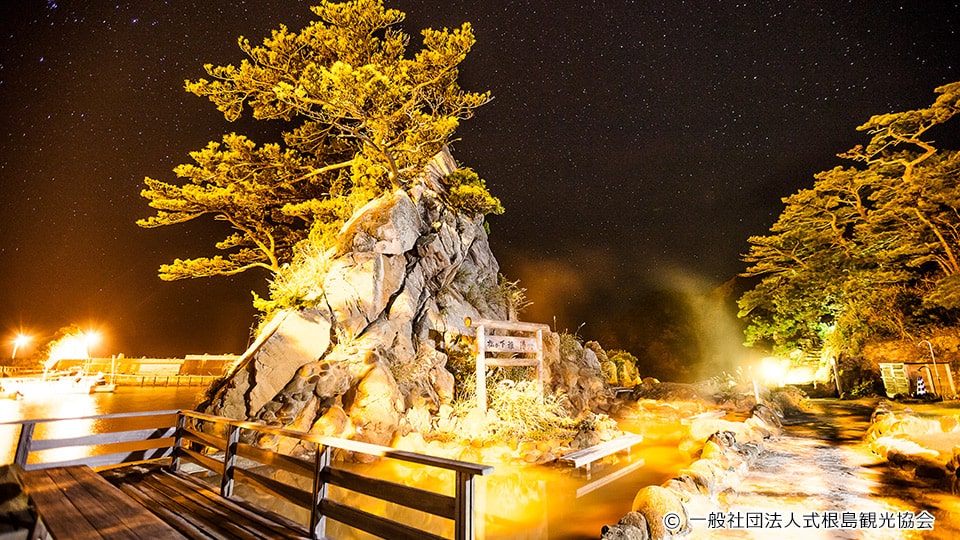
(407, 271)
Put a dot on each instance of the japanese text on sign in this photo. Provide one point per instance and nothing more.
(510, 344)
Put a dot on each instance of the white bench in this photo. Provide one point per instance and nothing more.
(586, 457)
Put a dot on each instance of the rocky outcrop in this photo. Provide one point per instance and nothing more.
(368, 359)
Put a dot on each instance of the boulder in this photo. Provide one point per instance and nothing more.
(632, 526)
(656, 503)
(711, 477)
(375, 406)
(359, 286)
(389, 226)
(300, 337)
(766, 418)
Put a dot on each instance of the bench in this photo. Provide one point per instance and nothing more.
(76, 502)
(587, 456)
(709, 415)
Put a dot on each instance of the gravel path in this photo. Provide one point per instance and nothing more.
(818, 480)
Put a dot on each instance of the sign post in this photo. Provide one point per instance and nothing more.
(516, 344)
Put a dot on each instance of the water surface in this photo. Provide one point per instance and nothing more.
(545, 502)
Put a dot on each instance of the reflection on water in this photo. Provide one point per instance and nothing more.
(125, 399)
(514, 503)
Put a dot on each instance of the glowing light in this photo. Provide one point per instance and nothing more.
(774, 370)
(71, 347)
(19, 342)
(90, 339)
(785, 371)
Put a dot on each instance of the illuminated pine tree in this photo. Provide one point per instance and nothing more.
(360, 117)
(866, 252)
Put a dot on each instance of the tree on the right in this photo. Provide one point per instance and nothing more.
(871, 250)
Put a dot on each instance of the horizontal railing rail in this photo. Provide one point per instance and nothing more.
(155, 441)
(214, 443)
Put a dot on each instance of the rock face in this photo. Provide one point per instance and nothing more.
(406, 273)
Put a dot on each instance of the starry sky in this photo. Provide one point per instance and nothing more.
(636, 145)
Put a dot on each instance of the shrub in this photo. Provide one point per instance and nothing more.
(525, 413)
(297, 284)
(468, 193)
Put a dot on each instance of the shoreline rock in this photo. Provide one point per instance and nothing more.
(723, 451)
(926, 448)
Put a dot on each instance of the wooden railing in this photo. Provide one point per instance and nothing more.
(163, 380)
(213, 443)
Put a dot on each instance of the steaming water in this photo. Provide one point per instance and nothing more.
(515, 502)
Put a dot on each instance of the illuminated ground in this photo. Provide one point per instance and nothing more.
(820, 472)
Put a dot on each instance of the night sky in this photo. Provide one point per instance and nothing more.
(635, 144)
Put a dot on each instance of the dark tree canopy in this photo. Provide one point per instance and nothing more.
(870, 250)
(360, 117)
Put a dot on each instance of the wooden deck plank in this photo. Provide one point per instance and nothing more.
(149, 500)
(200, 511)
(90, 507)
(59, 515)
(205, 517)
(113, 513)
(267, 521)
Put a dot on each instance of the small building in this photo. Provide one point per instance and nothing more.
(900, 379)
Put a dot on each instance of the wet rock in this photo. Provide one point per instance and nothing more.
(790, 400)
(953, 465)
(683, 485)
(710, 477)
(632, 526)
(930, 470)
(765, 419)
(657, 503)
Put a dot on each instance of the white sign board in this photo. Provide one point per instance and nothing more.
(511, 344)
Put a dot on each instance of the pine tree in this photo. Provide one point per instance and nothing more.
(869, 251)
(360, 117)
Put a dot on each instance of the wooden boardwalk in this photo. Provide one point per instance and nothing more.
(156, 499)
(197, 511)
(76, 502)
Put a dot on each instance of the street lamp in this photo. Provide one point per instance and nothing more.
(90, 339)
(20, 341)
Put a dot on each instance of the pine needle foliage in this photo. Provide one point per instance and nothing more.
(870, 251)
(360, 115)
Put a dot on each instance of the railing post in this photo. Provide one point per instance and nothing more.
(178, 442)
(481, 369)
(229, 461)
(318, 521)
(24, 444)
(464, 528)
